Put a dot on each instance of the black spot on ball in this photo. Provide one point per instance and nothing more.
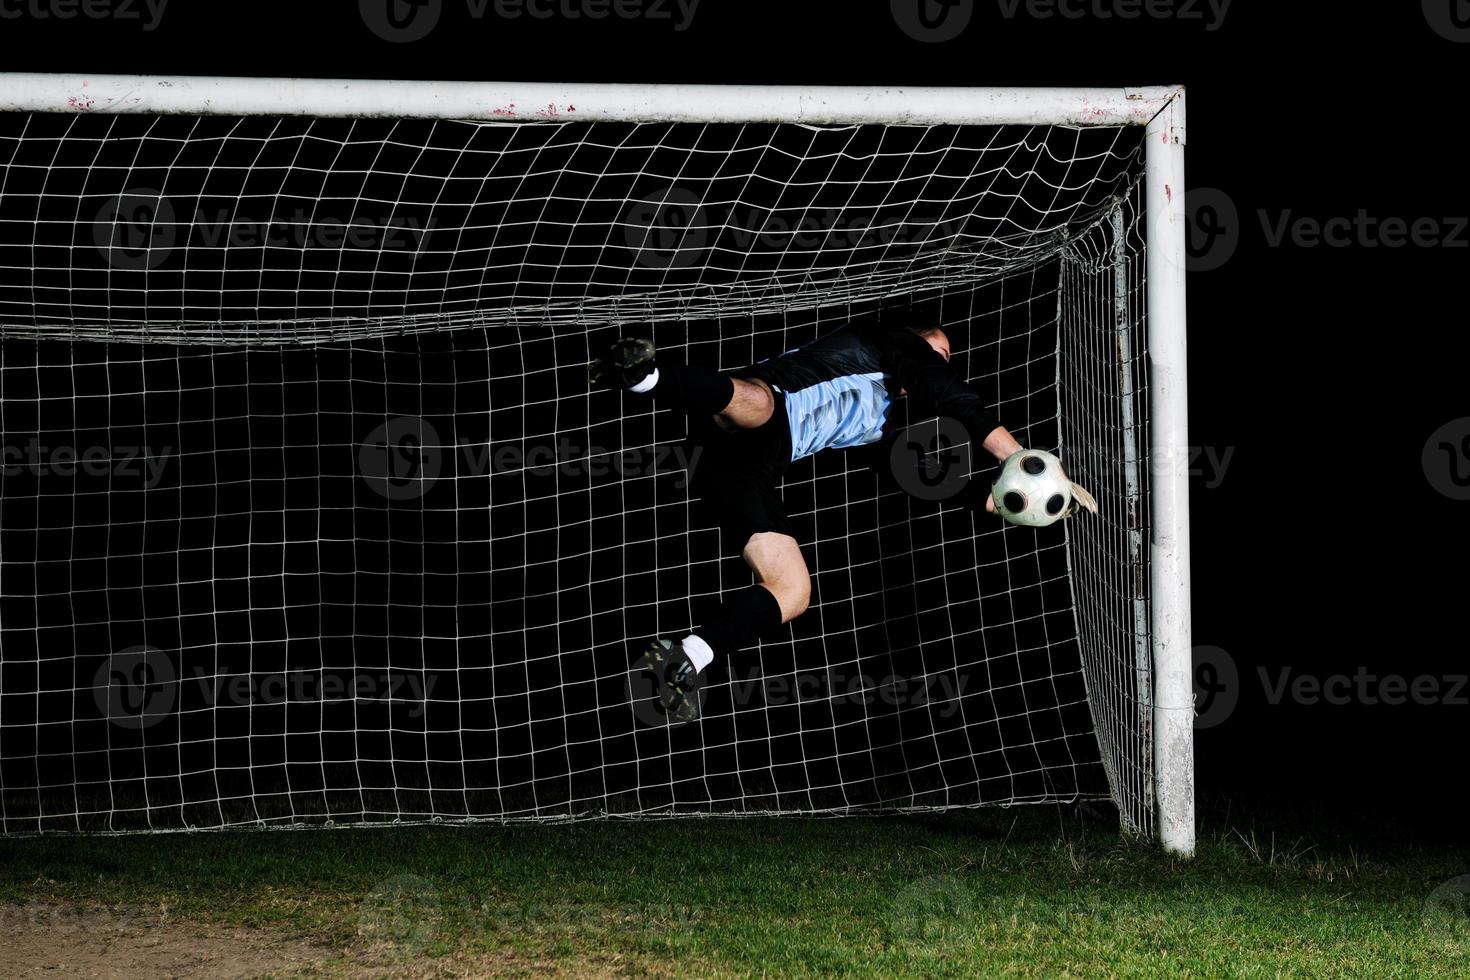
(1055, 504)
(1015, 502)
(1034, 465)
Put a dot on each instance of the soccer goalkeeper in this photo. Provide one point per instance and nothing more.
(833, 393)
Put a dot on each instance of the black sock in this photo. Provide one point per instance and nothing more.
(745, 617)
(693, 389)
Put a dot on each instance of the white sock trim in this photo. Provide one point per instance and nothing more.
(646, 385)
(699, 652)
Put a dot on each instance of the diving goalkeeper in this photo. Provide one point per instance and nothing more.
(833, 393)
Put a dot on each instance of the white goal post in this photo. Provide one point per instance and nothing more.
(1157, 112)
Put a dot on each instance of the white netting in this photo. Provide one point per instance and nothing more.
(307, 512)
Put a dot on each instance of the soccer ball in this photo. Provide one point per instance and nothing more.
(1032, 489)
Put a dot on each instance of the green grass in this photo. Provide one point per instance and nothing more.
(1018, 893)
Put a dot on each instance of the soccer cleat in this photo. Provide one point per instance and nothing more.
(675, 679)
(628, 361)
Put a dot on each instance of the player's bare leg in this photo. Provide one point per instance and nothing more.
(749, 408)
(779, 567)
(783, 584)
(782, 591)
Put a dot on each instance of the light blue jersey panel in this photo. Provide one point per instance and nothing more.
(837, 414)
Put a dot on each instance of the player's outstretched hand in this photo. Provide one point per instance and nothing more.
(1082, 500)
(977, 494)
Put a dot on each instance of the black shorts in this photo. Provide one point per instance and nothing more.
(736, 473)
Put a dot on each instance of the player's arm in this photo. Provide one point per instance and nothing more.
(938, 385)
(1001, 444)
(926, 374)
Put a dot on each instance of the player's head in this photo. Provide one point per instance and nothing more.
(936, 337)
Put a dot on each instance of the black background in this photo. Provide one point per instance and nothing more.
(1323, 370)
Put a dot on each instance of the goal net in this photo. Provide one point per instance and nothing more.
(308, 515)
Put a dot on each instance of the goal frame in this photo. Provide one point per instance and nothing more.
(1159, 109)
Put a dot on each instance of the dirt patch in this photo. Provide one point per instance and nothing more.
(64, 941)
(57, 940)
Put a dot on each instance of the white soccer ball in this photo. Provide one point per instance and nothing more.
(1032, 489)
